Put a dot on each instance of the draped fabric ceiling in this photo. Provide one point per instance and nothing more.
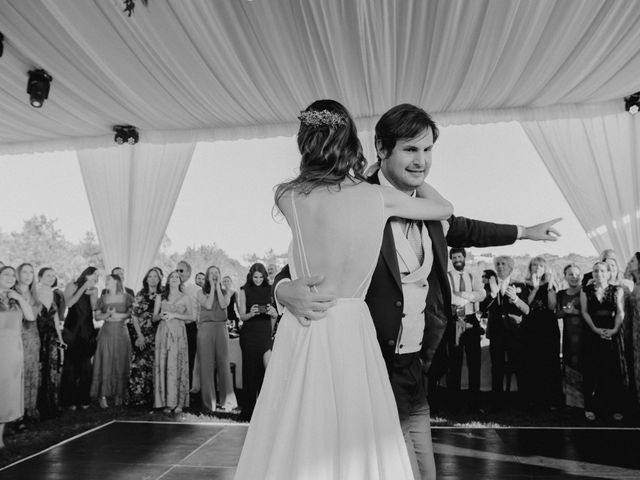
(183, 72)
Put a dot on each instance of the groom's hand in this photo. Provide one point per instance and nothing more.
(300, 300)
(542, 231)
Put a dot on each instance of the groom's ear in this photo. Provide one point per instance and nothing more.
(382, 154)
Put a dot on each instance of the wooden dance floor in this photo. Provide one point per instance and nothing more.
(168, 451)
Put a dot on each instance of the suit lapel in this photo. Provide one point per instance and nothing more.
(388, 248)
(439, 247)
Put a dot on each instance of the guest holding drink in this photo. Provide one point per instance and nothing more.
(14, 309)
(113, 355)
(79, 334)
(573, 335)
(51, 344)
(601, 305)
(213, 343)
(141, 376)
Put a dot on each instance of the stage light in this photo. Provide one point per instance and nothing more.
(1, 43)
(125, 134)
(632, 103)
(38, 87)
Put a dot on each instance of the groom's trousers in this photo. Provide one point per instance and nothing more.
(409, 389)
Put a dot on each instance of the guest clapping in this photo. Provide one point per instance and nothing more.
(171, 370)
(213, 343)
(601, 305)
(113, 354)
(541, 338)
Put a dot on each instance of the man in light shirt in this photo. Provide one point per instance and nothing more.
(190, 289)
(466, 292)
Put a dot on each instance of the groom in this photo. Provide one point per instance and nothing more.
(409, 296)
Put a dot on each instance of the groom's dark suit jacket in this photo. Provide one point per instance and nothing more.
(385, 298)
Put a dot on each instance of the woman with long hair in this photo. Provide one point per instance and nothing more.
(14, 309)
(605, 376)
(113, 353)
(326, 409)
(573, 335)
(255, 306)
(541, 338)
(213, 343)
(141, 375)
(51, 343)
(26, 286)
(171, 367)
(81, 297)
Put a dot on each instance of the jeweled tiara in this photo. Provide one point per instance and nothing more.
(319, 118)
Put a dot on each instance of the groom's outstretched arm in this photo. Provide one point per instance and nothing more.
(298, 297)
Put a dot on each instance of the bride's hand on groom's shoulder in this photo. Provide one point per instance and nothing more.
(298, 297)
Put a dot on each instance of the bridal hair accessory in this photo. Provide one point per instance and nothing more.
(321, 118)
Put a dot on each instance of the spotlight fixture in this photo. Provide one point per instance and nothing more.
(38, 87)
(632, 103)
(126, 134)
(1, 43)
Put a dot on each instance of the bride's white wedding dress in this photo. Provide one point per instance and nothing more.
(326, 409)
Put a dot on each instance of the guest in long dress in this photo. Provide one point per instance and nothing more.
(112, 360)
(51, 344)
(257, 313)
(141, 376)
(213, 343)
(541, 338)
(602, 308)
(81, 296)
(573, 334)
(171, 368)
(232, 310)
(26, 286)
(14, 309)
(633, 309)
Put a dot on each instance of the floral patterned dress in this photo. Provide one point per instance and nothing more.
(31, 344)
(142, 360)
(50, 362)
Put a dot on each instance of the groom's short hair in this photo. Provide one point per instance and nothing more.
(403, 121)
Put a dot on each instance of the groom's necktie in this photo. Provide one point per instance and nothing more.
(415, 240)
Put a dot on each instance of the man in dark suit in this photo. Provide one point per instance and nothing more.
(409, 296)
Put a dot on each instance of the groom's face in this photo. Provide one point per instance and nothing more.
(408, 164)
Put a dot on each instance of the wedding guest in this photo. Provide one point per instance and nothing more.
(81, 297)
(541, 338)
(255, 305)
(190, 289)
(199, 279)
(601, 305)
(272, 271)
(51, 343)
(112, 359)
(141, 375)
(232, 309)
(119, 271)
(172, 309)
(14, 309)
(573, 334)
(506, 306)
(213, 343)
(617, 276)
(604, 255)
(26, 286)
(466, 292)
(633, 309)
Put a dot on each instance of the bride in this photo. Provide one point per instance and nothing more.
(326, 409)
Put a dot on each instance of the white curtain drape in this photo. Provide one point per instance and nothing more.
(132, 191)
(596, 164)
(229, 69)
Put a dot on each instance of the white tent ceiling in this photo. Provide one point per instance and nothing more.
(205, 70)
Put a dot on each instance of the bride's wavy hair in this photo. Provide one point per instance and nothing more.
(330, 148)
